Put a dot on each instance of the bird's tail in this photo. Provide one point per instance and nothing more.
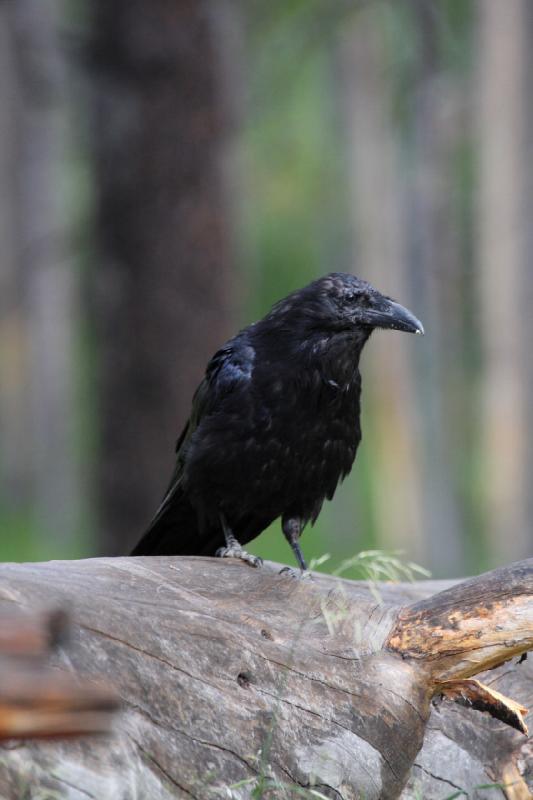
(175, 530)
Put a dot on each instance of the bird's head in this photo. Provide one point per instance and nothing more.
(349, 302)
(352, 302)
(337, 307)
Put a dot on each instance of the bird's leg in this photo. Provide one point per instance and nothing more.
(233, 549)
(292, 528)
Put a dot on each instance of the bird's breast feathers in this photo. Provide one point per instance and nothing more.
(288, 435)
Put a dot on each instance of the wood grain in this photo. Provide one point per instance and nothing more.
(230, 676)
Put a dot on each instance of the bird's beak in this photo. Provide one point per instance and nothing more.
(386, 313)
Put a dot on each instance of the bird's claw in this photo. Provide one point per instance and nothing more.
(240, 554)
(298, 574)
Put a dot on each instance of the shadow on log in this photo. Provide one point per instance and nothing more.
(239, 682)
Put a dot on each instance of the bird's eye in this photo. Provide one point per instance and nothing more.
(360, 298)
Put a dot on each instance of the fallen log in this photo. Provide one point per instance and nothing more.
(244, 683)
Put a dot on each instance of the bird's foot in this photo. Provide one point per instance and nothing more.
(236, 551)
(299, 574)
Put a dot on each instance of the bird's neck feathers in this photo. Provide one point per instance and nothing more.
(336, 356)
(309, 347)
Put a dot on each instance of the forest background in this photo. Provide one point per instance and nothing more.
(170, 169)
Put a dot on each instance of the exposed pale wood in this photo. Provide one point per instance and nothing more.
(516, 787)
(470, 627)
(229, 674)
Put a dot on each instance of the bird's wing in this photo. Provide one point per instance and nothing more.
(174, 528)
(229, 370)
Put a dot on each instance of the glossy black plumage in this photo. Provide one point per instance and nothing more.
(275, 422)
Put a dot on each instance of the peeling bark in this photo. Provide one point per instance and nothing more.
(233, 678)
(474, 694)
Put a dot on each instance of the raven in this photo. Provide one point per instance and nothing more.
(274, 425)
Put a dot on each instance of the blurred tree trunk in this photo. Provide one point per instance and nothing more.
(162, 283)
(15, 466)
(436, 258)
(407, 244)
(504, 172)
(36, 282)
(380, 256)
(527, 299)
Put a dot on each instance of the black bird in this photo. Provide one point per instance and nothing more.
(274, 425)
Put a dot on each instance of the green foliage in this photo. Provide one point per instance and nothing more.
(24, 539)
(379, 565)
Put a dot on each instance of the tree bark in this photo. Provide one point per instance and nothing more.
(235, 680)
(162, 286)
